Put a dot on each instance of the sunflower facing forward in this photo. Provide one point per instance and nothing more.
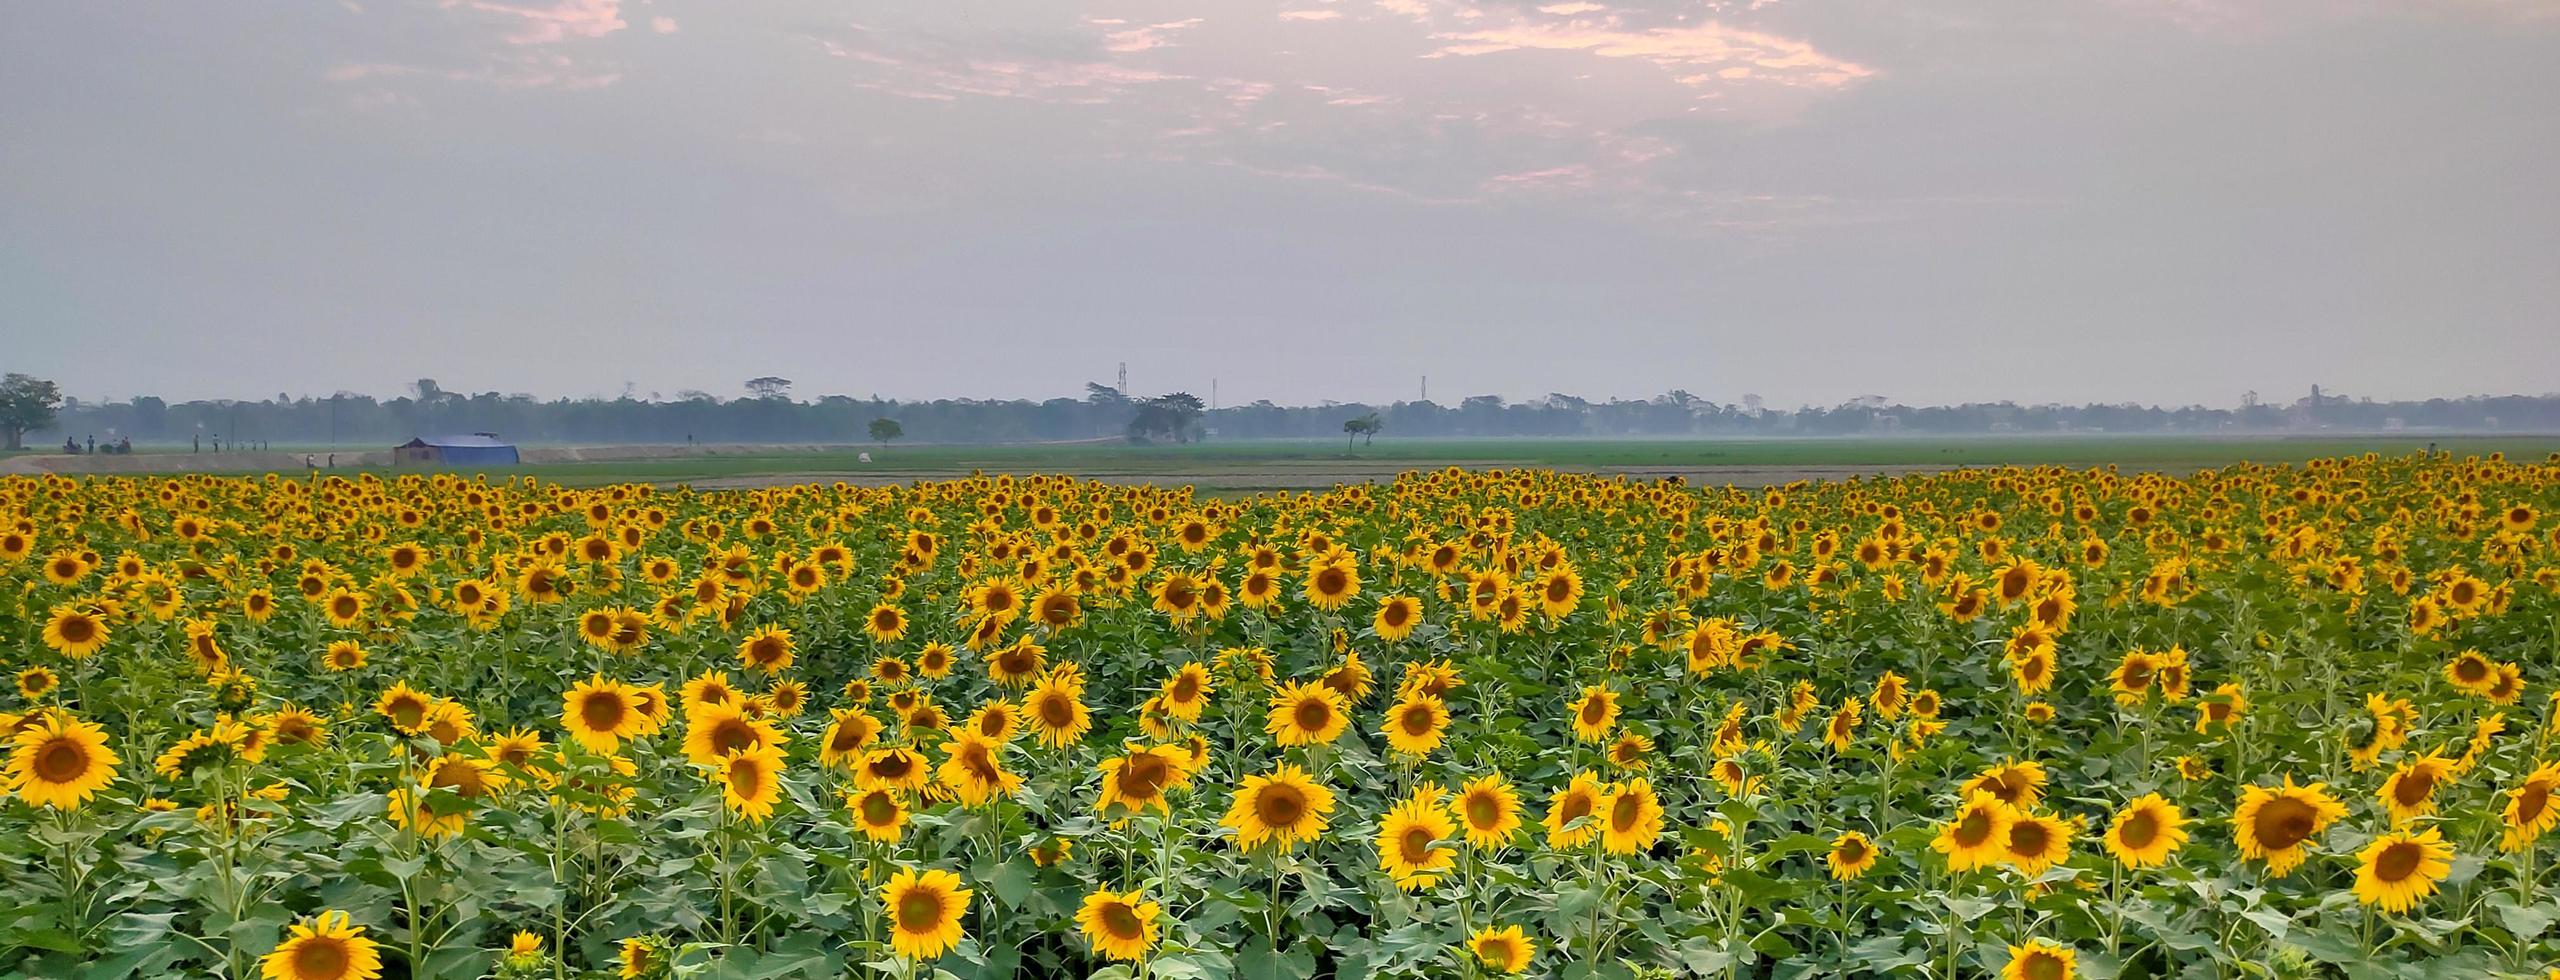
(60, 763)
(2400, 867)
(1978, 833)
(1120, 925)
(924, 911)
(2146, 832)
(1489, 809)
(2041, 960)
(2276, 824)
(1307, 714)
(751, 781)
(1507, 949)
(1407, 839)
(1282, 808)
(325, 947)
(1851, 855)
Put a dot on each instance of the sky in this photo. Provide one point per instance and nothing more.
(1933, 201)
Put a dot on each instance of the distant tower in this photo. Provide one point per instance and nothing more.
(1124, 378)
(1213, 394)
(1426, 387)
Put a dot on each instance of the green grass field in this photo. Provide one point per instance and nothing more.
(1255, 465)
(1245, 466)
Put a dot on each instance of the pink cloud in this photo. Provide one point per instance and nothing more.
(556, 22)
(663, 25)
(1570, 9)
(1310, 15)
(1694, 50)
(1146, 38)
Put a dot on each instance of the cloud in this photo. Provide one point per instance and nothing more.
(1570, 9)
(663, 25)
(556, 22)
(1311, 15)
(1701, 52)
(1146, 38)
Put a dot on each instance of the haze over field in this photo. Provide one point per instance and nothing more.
(1938, 201)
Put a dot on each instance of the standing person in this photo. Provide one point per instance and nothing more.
(198, 443)
(93, 444)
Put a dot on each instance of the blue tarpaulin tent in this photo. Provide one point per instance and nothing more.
(476, 449)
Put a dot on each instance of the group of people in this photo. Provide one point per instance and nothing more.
(117, 448)
(237, 446)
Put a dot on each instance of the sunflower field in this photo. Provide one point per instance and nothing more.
(2022, 723)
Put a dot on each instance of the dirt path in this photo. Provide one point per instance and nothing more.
(1244, 477)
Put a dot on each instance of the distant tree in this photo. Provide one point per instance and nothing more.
(1175, 416)
(769, 387)
(26, 404)
(429, 392)
(1365, 428)
(884, 430)
(1097, 393)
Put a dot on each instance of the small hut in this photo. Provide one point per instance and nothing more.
(476, 449)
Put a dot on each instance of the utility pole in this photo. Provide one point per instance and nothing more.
(1213, 394)
(1426, 387)
(1124, 379)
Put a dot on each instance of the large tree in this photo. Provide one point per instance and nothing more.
(26, 404)
(1364, 428)
(883, 430)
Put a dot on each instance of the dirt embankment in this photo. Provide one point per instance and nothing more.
(229, 462)
(1325, 475)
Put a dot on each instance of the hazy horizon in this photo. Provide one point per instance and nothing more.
(2168, 202)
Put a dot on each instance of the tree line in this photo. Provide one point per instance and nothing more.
(1105, 412)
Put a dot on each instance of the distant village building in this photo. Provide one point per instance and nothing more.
(476, 449)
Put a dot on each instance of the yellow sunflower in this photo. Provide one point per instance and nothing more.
(1417, 725)
(879, 812)
(75, 632)
(1396, 618)
(2035, 842)
(1631, 817)
(892, 767)
(1595, 713)
(1282, 808)
(327, 946)
(924, 911)
(1187, 691)
(2276, 824)
(1571, 814)
(599, 714)
(751, 781)
(1489, 809)
(1507, 949)
(973, 772)
(769, 650)
(1055, 711)
(720, 730)
(60, 763)
(1121, 926)
(1407, 839)
(2529, 812)
(2410, 792)
(1851, 855)
(1977, 835)
(1139, 779)
(2146, 832)
(1331, 585)
(2399, 868)
(2041, 960)
(405, 707)
(1307, 714)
